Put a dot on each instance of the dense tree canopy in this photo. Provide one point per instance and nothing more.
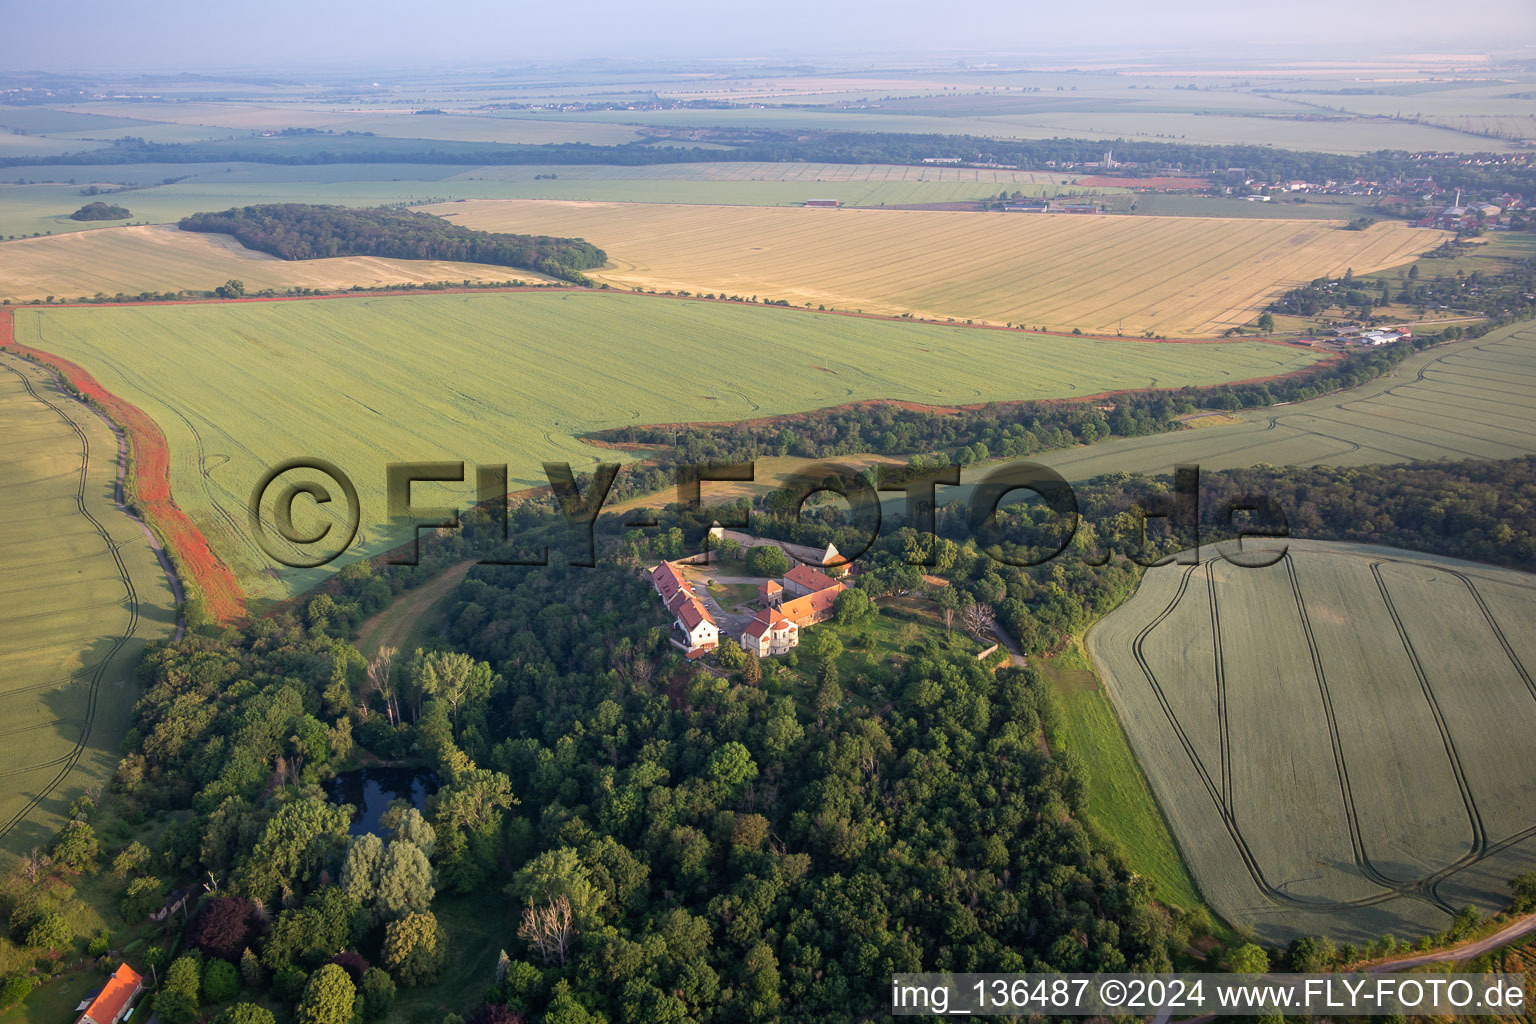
(298, 231)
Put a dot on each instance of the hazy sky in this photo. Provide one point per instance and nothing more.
(199, 35)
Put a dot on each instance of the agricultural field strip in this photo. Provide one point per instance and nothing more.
(131, 260)
(516, 374)
(1002, 267)
(1220, 792)
(52, 627)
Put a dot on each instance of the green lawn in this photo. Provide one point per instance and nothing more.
(1119, 799)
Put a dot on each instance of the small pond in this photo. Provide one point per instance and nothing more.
(371, 790)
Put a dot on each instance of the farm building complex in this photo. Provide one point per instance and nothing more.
(802, 597)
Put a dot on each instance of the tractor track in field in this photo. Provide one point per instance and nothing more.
(1479, 836)
(1219, 786)
(67, 762)
(1340, 761)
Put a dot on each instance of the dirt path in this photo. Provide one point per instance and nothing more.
(392, 626)
(1519, 928)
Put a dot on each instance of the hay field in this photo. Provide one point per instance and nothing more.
(163, 258)
(516, 378)
(1332, 737)
(1177, 276)
(80, 594)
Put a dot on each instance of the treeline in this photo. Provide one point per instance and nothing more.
(299, 231)
(1450, 170)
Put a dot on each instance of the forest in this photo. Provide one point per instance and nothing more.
(620, 835)
(299, 231)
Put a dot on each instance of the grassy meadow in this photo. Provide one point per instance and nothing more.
(80, 594)
(516, 378)
(1330, 736)
(1120, 801)
(1176, 276)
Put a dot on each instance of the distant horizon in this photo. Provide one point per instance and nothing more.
(352, 37)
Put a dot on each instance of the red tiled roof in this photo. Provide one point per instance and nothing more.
(809, 578)
(769, 587)
(802, 609)
(667, 579)
(692, 612)
(759, 626)
(120, 989)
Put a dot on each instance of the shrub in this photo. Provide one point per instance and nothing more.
(220, 981)
(14, 991)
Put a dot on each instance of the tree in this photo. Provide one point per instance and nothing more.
(978, 620)
(1524, 889)
(554, 874)
(415, 949)
(1266, 323)
(51, 932)
(245, 1013)
(251, 972)
(14, 990)
(1309, 954)
(549, 929)
(767, 560)
(143, 897)
(381, 677)
(824, 645)
(223, 927)
(175, 1007)
(451, 677)
(231, 289)
(378, 991)
(496, 1013)
(565, 1009)
(76, 847)
(220, 981)
(407, 823)
(1249, 959)
(328, 998)
(301, 838)
(132, 858)
(731, 765)
(185, 976)
(405, 880)
(851, 606)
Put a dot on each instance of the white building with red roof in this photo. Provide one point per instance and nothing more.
(769, 633)
(699, 631)
(115, 999)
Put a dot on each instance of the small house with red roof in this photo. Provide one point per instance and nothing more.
(114, 1000)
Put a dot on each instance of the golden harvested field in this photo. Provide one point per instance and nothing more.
(163, 258)
(1176, 276)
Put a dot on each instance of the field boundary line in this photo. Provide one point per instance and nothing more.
(148, 471)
